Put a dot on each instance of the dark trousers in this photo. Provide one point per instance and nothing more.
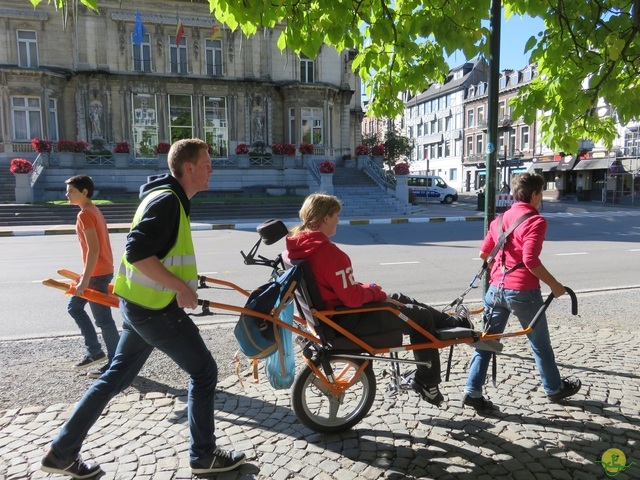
(375, 323)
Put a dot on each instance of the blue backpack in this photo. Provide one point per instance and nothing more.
(258, 337)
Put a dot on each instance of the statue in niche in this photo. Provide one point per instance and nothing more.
(259, 123)
(95, 115)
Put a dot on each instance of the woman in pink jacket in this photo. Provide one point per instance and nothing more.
(333, 273)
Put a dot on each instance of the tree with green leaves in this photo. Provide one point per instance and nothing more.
(588, 55)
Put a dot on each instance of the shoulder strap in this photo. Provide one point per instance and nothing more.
(503, 237)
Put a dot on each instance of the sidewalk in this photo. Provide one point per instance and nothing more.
(404, 438)
(462, 211)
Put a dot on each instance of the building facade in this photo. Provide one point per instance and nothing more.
(116, 76)
(434, 122)
(516, 139)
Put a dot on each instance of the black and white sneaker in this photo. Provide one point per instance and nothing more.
(74, 469)
(430, 394)
(220, 461)
(98, 373)
(89, 360)
(569, 387)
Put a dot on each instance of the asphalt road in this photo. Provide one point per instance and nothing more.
(433, 262)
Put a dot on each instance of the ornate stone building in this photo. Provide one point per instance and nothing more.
(107, 78)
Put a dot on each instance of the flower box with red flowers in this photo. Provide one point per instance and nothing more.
(121, 147)
(80, 146)
(401, 168)
(162, 148)
(66, 146)
(40, 145)
(288, 149)
(242, 149)
(20, 165)
(326, 167)
(306, 149)
(362, 150)
(377, 150)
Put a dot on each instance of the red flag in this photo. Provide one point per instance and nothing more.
(215, 32)
(179, 32)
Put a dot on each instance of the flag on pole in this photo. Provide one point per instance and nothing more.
(138, 30)
(179, 31)
(216, 32)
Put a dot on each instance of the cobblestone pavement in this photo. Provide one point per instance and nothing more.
(146, 436)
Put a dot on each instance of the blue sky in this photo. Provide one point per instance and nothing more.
(513, 36)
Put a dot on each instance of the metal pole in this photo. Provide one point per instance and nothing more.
(492, 119)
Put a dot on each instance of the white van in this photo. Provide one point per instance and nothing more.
(437, 187)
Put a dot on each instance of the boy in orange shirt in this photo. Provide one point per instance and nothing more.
(97, 272)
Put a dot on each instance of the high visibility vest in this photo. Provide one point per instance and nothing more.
(137, 288)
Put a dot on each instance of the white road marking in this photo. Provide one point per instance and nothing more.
(574, 253)
(398, 263)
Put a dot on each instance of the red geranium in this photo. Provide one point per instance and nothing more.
(283, 149)
(40, 145)
(242, 149)
(378, 150)
(66, 146)
(326, 167)
(121, 147)
(306, 149)
(20, 165)
(401, 168)
(162, 148)
(362, 150)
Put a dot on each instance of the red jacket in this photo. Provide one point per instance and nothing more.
(332, 271)
(523, 245)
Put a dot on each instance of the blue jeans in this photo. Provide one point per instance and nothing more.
(524, 304)
(102, 315)
(173, 332)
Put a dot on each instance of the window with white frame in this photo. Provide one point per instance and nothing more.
(53, 120)
(27, 48)
(447, 148)
(213, 57)
(142, 54)
(471, 92)
(501, 110)
(306, 69)
(480, 115)
(481, 88)
(292, 126)
(512, 142)
(453, 174)
(216, 129)
(503, 81)
(469, 145)
(27, 118)
(178, 55)
(479, 144)
(524, 138)
(311, 125)
(501, 146)
(144, 124)
(470, 118)
(180, 117)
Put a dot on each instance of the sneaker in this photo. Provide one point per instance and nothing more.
(76, 469)
(430, 394)
(569, 387)
(98, 373)
(462, 316)
(220, 461)
(481, 404)
(89, 361)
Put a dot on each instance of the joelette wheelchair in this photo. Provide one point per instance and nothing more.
(336, 387)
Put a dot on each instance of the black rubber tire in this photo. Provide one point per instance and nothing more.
(315, 409)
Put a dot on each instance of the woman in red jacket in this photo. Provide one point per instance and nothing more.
(334, 277)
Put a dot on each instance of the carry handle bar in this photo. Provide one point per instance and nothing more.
(547, 302)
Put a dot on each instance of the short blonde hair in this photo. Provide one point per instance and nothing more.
(314, 210)
(184, 151)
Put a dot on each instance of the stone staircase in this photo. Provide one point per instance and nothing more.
(362, 197)
(7, 183)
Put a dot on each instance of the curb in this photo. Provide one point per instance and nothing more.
(57, 230)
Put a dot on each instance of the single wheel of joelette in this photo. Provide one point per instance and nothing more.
(331, 408)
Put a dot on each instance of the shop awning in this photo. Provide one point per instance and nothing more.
(544, 167)
(567, 163)
(594, 164)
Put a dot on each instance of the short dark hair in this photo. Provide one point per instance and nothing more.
(523, 185)
(184, 151)
(82, 182)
